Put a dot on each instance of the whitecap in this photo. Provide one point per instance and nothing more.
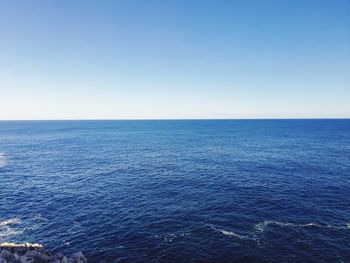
(3, 160)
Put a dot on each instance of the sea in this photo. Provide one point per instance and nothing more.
(179, 190)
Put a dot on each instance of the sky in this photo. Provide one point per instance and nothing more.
(174, 59)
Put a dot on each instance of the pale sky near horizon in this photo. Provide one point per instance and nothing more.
(140, 59)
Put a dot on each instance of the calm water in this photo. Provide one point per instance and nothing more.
(179, 191)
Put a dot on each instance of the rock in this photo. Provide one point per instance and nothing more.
(77, 258)
(34, 253)
(16, 256)
(37, 257)
(24, 246)
(26, 259)
(5, 254)
(58, 256)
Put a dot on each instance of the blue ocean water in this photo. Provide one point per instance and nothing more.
(179, 191)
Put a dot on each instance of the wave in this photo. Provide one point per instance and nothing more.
(262, 225)
(3, 160)
(230, 233)
(7, 230)
(11, 221)
(16, 226)
(260, 228)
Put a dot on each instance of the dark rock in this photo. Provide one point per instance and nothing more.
(37, 256)
(26, 259)
(5, 254)
(34, 253)
(59, 256)
(77, 258)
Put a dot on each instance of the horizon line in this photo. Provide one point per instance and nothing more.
(182, 119)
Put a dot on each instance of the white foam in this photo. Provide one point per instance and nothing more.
(39, 217)
(3, 160)
(170, 237)
(260, 228)
(261, 225)
(16, 226)
(230, 233)
(7, 230)
(11, 221)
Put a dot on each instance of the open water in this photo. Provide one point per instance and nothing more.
(179, 191)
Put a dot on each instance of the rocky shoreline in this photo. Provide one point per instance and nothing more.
(35, 253)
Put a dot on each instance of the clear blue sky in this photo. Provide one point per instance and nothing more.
(174, 59)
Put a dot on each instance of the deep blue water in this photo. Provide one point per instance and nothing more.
(179, 191)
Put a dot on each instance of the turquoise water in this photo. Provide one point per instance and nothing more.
(179, 191)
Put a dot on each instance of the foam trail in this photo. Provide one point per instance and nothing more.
(3, 160)
(230, 233)
(261, 225)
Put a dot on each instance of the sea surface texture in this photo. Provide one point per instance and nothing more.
(179, 191)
